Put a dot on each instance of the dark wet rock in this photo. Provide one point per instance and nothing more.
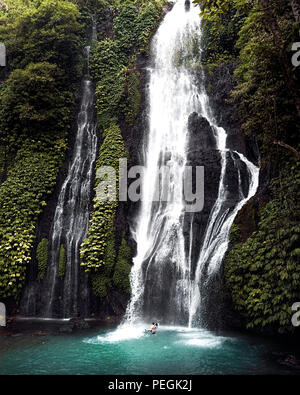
(219, 85)
(78, 323)
(201, 135)
(168, 7)
(73, 325)
(118, 302)
(66, 329)
(187, 5)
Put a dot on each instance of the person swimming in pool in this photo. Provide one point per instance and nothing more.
(153, 328)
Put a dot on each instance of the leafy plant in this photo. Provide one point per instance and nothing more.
(123, 267)
(263, 274)
(62, 261)
(42, 257)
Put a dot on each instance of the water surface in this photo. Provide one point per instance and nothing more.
(173, 350)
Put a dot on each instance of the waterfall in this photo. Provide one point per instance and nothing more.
(71, 220)
(165, 283)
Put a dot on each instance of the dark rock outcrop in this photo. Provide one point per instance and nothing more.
(219, 85)
(187, 5)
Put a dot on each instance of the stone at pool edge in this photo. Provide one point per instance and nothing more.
(74, 324)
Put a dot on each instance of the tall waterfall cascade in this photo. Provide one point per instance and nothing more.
(166, 283)
(70, 222)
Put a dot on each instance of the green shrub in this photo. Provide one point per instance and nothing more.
(62, 261)
(263, 274)
(146, 24)
(43, 41)
(42, 257)
(101, 281)
(123, 268)
(99, 284)
(44, 31)
(234, 234)
(22, 198)
(132, 96)
(124, 27)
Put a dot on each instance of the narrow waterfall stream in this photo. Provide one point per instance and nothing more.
(166, 284)
(70, 221)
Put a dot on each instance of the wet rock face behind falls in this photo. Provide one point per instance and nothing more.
(202, 151)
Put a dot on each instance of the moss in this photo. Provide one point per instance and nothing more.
(123, 267)
(101, 281)
(234, 234)
(132, 97)
(62, 261)
(146, 24)
(124, 27)
(36, 103)
(42, 258)
(94, 246)
(2, 162)
(29, 181)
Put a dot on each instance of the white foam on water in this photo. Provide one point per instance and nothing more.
(122, 333)
(183, 335)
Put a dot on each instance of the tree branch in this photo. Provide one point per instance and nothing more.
(295, 152)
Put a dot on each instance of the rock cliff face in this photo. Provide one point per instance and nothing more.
(219, 85)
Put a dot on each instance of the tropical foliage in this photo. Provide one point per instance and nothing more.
(43, 41)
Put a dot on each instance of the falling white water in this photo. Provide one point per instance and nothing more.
(216, 238)
(173, 96)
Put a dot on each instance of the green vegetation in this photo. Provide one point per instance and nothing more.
(35, 105)
(62, 261)
(123, 267)
(94, 246)
(113, 61)
(102, 280)
(42, 257)
(43, 40)
(132, 96)
(107, 70)
(43, 31)
(115, 274)
(219, 40)
(263, 274)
